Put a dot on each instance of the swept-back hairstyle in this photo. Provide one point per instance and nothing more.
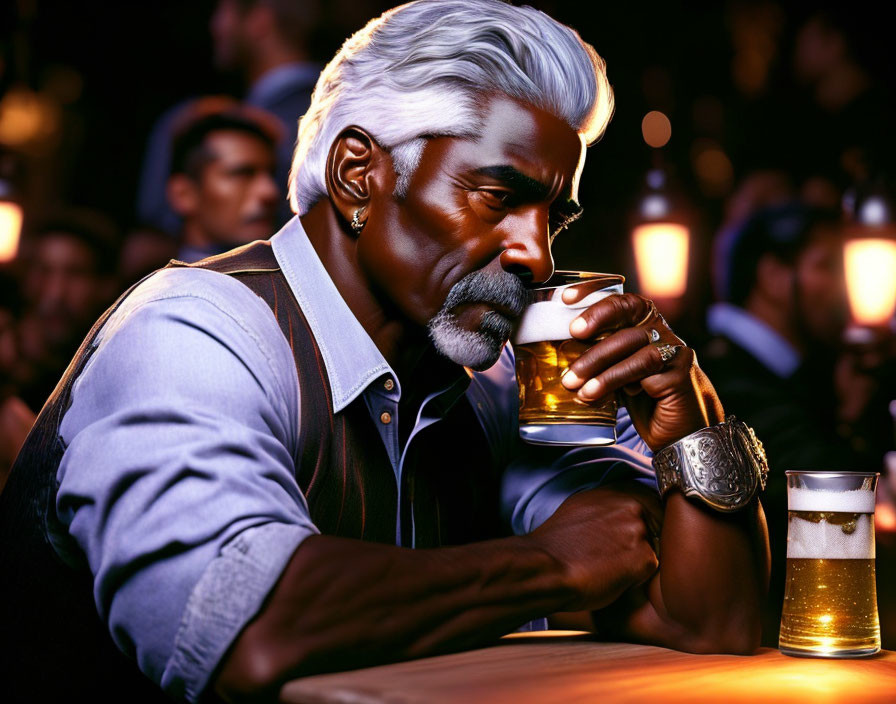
(423, 68)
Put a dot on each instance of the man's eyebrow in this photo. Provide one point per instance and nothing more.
(526, 187)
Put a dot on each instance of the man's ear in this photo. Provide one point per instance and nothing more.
(183, 195)
(356, 170)
(774, 279)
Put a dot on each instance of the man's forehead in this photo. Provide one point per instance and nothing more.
(59, 247)
(534, 142)
(516, 124)
(227, 142)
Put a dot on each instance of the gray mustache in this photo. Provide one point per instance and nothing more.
(500, 289)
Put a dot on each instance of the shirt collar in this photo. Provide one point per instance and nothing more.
(351, 358)
(275, 80)
(756, 337)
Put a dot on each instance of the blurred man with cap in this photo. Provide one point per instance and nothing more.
(266, 44)
(222, 177)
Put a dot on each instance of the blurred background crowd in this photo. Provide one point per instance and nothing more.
(745, 183)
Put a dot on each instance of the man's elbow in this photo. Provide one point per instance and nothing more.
(737, 636)
(248, 677)
(255, 669)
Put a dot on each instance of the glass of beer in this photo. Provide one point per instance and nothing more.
(549, 413)
(830, 599)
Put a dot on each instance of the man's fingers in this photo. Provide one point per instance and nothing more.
(645, 362)
(612, 313)
(609, 351)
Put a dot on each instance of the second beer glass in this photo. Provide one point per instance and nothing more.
(830, 599)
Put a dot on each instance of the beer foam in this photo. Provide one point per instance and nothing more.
(857, 501)
(827, 541)
(549, 320)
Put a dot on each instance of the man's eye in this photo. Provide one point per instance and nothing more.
(497, 200)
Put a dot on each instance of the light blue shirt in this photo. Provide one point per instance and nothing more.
(757, 338)
(178, 478)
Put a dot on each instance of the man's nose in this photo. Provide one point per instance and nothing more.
(527, 248)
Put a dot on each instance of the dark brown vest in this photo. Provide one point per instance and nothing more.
(55, 644)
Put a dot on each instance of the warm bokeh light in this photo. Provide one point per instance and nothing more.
(28, 118)
(656, 129)
(871, 279)
(884, 518)
(10, 229)
(661, 256)
(715, 171)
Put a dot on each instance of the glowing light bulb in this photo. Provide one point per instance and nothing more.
(10, 228)
(870, 279)
(661, 255)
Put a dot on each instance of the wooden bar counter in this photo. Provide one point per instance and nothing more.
(560, 667)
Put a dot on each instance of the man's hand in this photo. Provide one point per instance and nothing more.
(666, 400)
(603, 538)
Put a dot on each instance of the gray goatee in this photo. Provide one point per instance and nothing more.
(481, 348)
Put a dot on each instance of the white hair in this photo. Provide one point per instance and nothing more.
(422, 69)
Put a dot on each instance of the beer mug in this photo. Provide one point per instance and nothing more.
(549, 413)
(830, 599)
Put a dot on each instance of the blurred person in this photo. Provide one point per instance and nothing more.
(760, 188)
(835, 63)
(265, 42)
(16, 418)
(222, 179)
(776, 335)
(783, 310)
(144, 250)
(69, 277)
(828, 105)
(261, 459)
(840, 116)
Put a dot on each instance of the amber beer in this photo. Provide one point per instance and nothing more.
(830, 601)
(549, 413)
(543, 399)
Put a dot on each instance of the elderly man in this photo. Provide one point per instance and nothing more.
(246, 458)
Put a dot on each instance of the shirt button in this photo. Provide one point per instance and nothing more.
(386, 417)
(389, 384)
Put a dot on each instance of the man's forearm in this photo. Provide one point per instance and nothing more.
(707, 594)
(344, 603)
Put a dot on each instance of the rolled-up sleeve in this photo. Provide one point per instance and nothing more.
(177, 481)
(537, 479)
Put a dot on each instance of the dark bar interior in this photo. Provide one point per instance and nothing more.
(745, 184)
